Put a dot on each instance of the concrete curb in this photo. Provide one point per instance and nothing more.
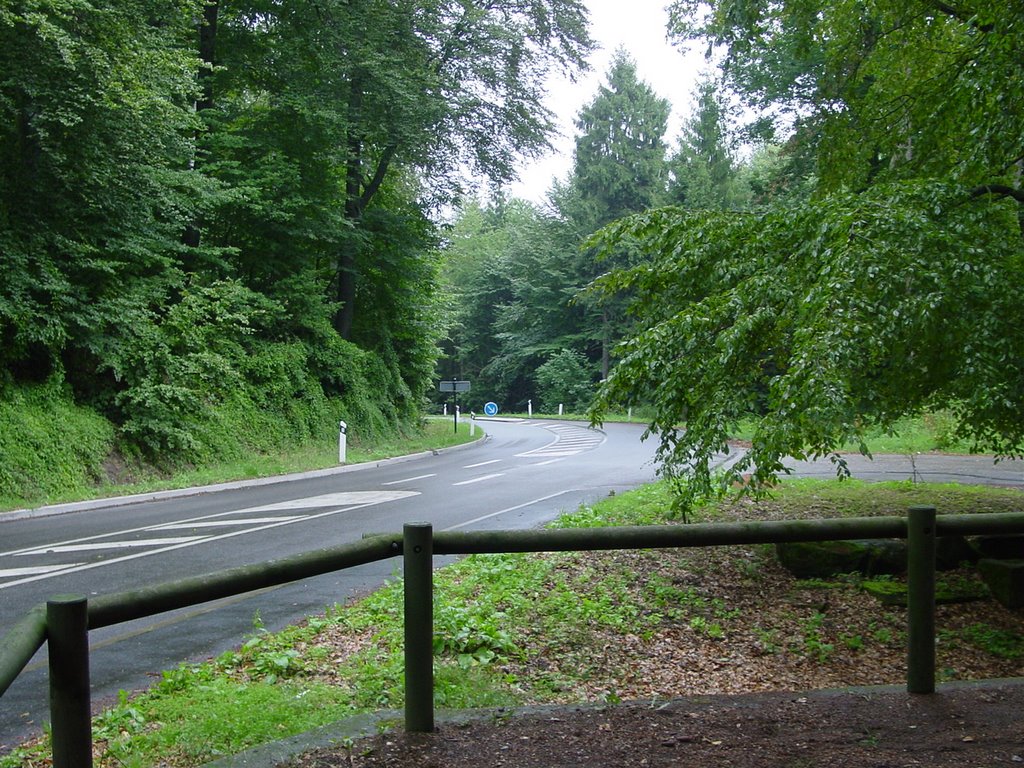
(113, 502)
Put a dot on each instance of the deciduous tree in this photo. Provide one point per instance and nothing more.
(893, 290)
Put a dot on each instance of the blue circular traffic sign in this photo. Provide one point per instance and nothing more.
(490, 409)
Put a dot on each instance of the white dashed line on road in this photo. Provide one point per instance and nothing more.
(480, 479)
(410, 479)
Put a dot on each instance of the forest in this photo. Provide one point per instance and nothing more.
(226, 225)
(217, 218)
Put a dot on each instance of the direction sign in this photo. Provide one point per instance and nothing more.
(455, 385)
(490, 409)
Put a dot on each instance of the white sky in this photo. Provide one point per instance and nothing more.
(639, 27)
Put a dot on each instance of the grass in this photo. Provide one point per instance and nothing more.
(436, 433)
(859, 498)
(918, 434)
(510, 628)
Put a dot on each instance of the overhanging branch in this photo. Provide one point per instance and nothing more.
(1002, 190)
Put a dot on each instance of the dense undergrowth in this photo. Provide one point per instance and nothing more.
(267, 406)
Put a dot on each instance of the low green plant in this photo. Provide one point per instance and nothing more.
(883, 635)
(428, 435)
(839, 581)
(814, 643)
(647, 505)
(767, 639)
(999, 642)
(119, 723)
(471, 636)
(712, 629)
(853, 642)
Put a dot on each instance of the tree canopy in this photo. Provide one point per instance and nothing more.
(891, 289)
(213, 206)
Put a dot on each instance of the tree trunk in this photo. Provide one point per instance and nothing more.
(346, 275)
(605, 344)
(207, 48)
(358, 194)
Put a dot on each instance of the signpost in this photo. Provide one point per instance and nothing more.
(454, 386)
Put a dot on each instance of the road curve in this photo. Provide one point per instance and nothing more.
(523, 474)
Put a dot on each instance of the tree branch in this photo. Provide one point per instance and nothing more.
(1002, 190)
(378, 177)
(959, 15)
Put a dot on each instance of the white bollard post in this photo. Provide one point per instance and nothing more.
(472, 424)
(529, 408)
(444, 411)
(559, 409)
(342, 441)
(629, 412)
(458, 413)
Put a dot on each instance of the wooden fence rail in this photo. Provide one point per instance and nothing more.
(64, 621)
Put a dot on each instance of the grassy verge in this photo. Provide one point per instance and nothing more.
(570, 627)
(920, 434)
(435, 433)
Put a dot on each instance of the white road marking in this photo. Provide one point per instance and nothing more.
(508, 509)
(482, 464)
(370, 498)
(410, 479)
(545, 463)
(125, 544)
(327, 500)
(223, 523)
(480, 479)
(354, 499)
(569, 440)
(9, 573)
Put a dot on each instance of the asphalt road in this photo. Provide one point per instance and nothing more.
(522, 475)
(922, 468)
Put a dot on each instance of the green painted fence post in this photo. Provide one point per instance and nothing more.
(67, 634)
(418, 552)
(921, 600)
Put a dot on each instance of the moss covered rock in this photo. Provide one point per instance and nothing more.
(821, 559)
(1005, 579)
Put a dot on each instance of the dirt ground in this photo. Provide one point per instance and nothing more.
(794, 676)
(699, 702)
(961, 725)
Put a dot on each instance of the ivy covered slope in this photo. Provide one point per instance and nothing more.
(214, 216)
(892, 289)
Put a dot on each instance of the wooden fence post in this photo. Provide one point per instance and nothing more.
(921, 600)
(418, 554)
(67, 632)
